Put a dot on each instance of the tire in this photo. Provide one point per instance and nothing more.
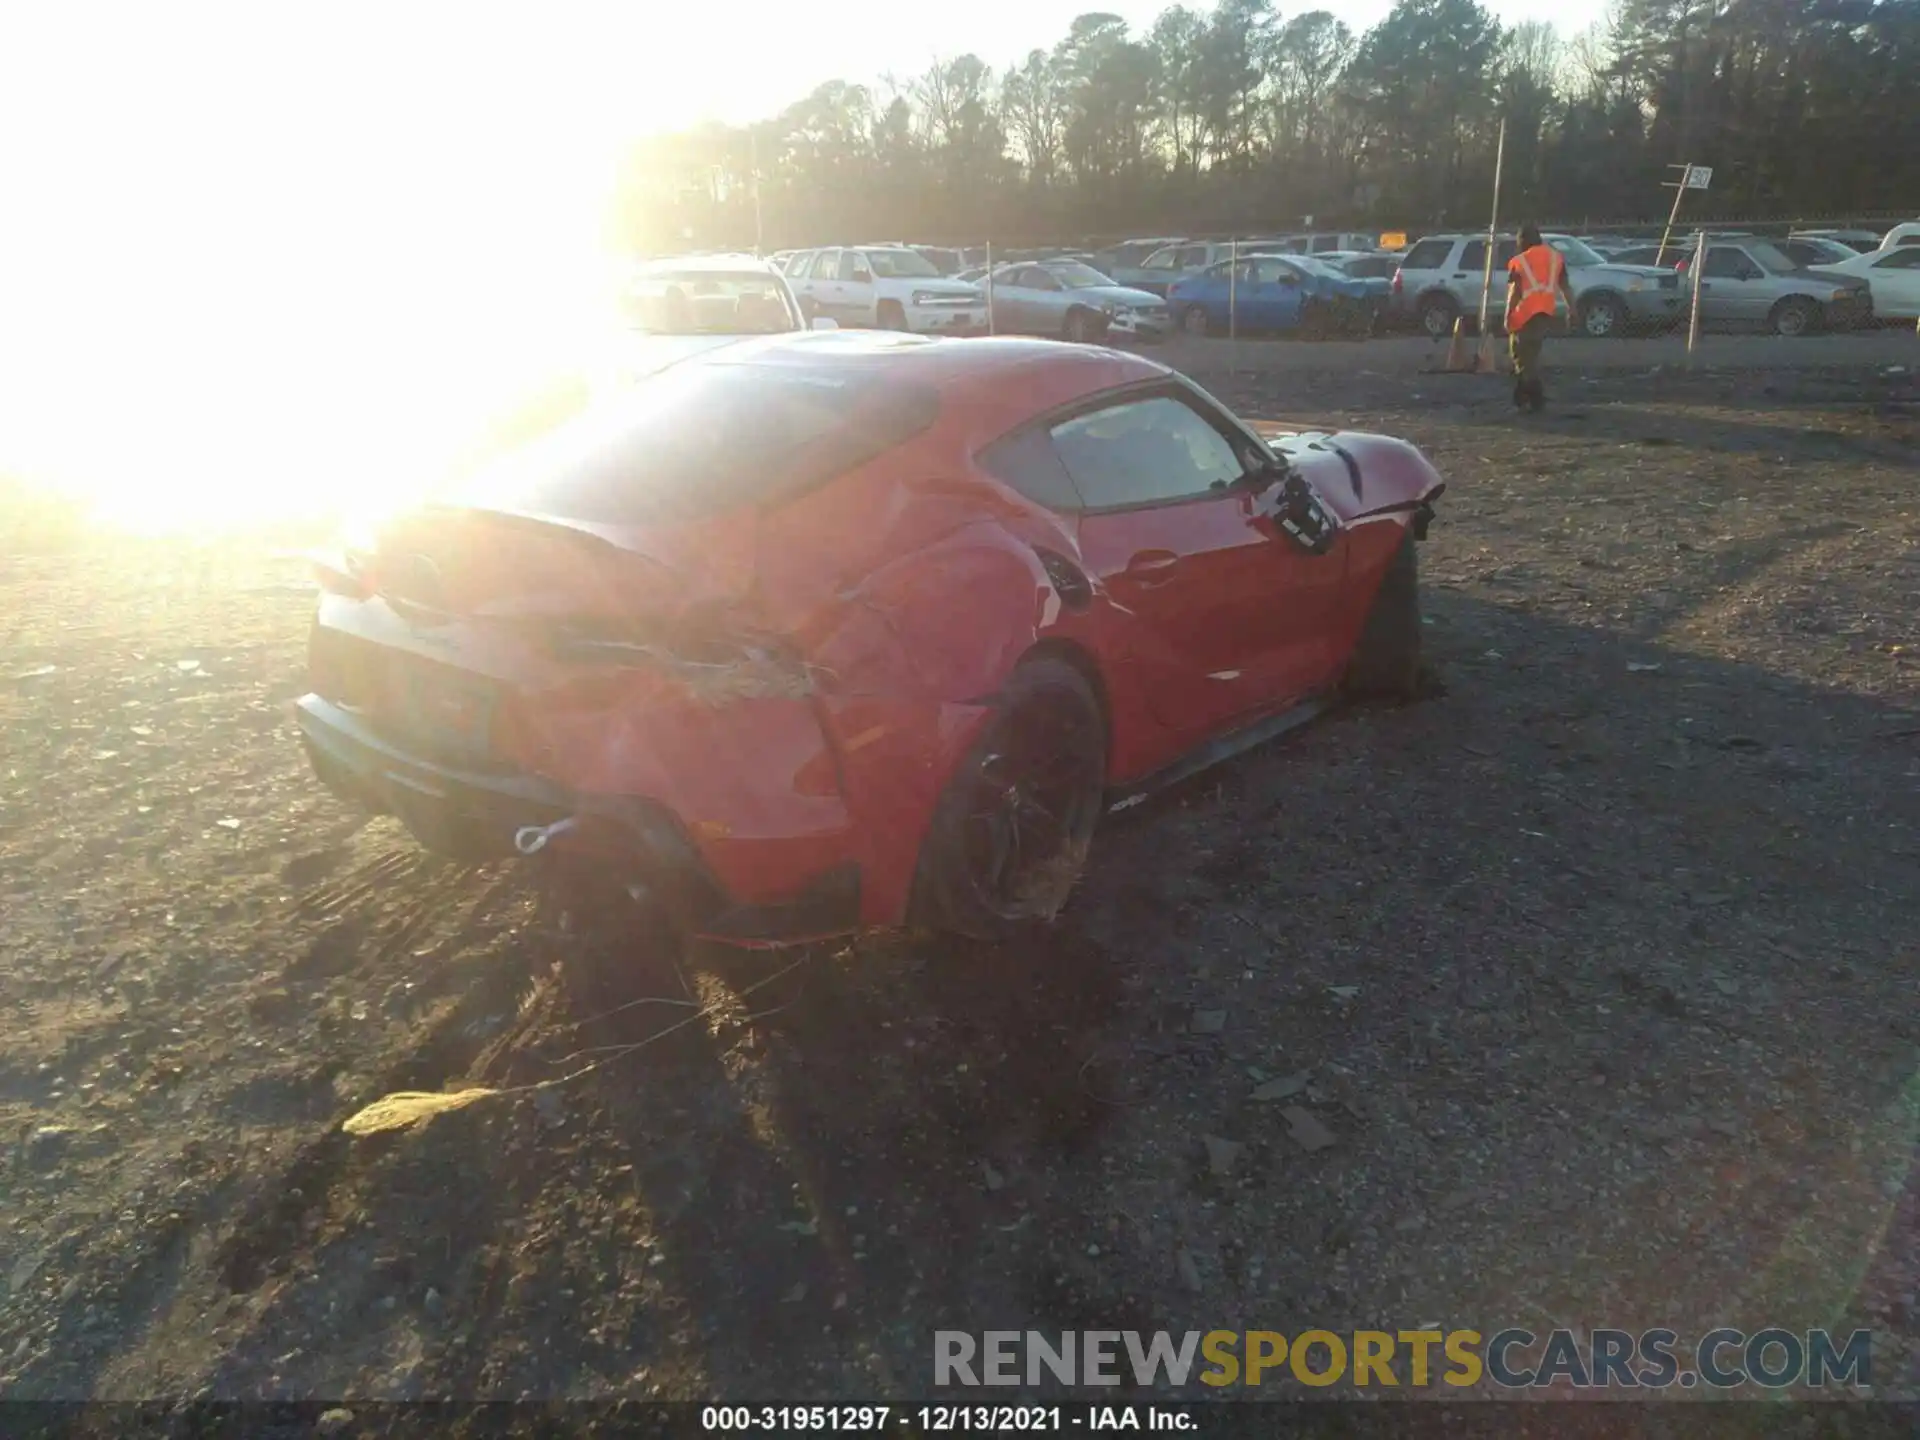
(1080, 327)
(1603, 318)
(1437, 314)
(1041, 763)
(1194, 321)
(891, 315)
(1793, 316)
(1386, 663)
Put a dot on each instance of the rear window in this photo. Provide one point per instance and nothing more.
(1427, 255)
(699, 440)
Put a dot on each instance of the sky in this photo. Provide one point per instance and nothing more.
(249, 248)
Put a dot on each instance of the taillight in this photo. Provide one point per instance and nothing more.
(1396, 282)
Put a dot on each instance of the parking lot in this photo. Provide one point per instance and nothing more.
(1409, 355)
(1597, 967)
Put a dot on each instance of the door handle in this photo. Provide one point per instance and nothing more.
(1152, 567)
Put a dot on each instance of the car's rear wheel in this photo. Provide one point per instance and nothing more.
(892, 315)
(1795, 315)
(1011, 831)
(1194, 321)
(1437, 314)
(1386, 663)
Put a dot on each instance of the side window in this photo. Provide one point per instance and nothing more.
(1160, 259)
(1504, 254)
(824, 264)
(1907, 257)
(797, 265)
(1145, 451)
(1474, 257)
(1192, 257)
(1324, 242)
(1027, 461)
(853, 266)
(1725, 262)
(1427, 255)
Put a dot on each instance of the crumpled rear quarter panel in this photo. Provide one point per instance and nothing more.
(752, 780)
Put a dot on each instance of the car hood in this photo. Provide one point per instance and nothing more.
(1120, 295)
(1358, 475)
(1625, 272)
(1821, 274)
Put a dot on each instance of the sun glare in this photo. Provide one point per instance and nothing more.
(256, 292)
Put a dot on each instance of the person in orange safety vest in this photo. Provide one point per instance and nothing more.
(1536, 278)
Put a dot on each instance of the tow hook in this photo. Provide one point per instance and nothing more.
(532, 839)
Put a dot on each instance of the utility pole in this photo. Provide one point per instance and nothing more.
(1493, 225)
(1233, 294)
(1693, 306)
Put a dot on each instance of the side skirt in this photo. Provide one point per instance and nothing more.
(1219, 749)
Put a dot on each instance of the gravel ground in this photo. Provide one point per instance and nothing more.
(1598, 969)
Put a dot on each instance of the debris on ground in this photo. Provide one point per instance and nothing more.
(1307, 1130)
(1222, 1154)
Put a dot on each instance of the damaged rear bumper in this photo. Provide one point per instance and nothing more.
(480, 811)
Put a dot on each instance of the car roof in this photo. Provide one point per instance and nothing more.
(987, 386)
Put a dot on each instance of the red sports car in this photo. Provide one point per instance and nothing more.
(829, 631)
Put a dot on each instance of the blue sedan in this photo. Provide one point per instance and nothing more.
(1282, 293)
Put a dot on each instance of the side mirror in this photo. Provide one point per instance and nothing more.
(825, 322)
(1304, 516)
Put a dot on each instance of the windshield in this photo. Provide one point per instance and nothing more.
(1318, 267)
(901, 265)
(1769, 256)
(699, 440)
(695, 302)
(1577, 252)
(1076, 276)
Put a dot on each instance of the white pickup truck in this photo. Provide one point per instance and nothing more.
(889, 286)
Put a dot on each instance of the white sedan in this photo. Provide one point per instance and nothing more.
(1892, 275)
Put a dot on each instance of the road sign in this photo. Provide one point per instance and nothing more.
(1699, 176)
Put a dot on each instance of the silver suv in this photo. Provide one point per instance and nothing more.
(1750, 281)
(1440, 280)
